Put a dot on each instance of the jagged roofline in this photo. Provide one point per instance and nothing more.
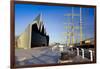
(42, 28)
(23, 32)
(39, 26)
(38, 21)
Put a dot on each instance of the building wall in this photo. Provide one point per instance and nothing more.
(23, 40)
(38, 37)
(34, 35)
(38, 40)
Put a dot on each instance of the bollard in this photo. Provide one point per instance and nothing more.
(91, 55)
(72, 49)
(77, 51)
(82, 53)
(52, 48)
(61, 49)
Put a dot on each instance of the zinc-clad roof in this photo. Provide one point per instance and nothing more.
(38, 21)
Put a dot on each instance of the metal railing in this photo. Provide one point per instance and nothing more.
(85, 53)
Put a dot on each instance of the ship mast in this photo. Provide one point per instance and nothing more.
(71, 28)
(81, 26)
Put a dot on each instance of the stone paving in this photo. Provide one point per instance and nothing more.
(43, 55)
(40, 55)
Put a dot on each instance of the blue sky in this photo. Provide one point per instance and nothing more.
(53, 19)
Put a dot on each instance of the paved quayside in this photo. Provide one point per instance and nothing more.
(44, 55)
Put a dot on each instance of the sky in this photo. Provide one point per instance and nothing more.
(54, 20)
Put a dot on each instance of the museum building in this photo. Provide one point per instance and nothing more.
(34, 35)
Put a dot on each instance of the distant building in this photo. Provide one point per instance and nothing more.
(90, 41)
(34, 35)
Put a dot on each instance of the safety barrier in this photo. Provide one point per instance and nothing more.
(85, 53)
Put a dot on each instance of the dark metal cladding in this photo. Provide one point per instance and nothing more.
(38, 34)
